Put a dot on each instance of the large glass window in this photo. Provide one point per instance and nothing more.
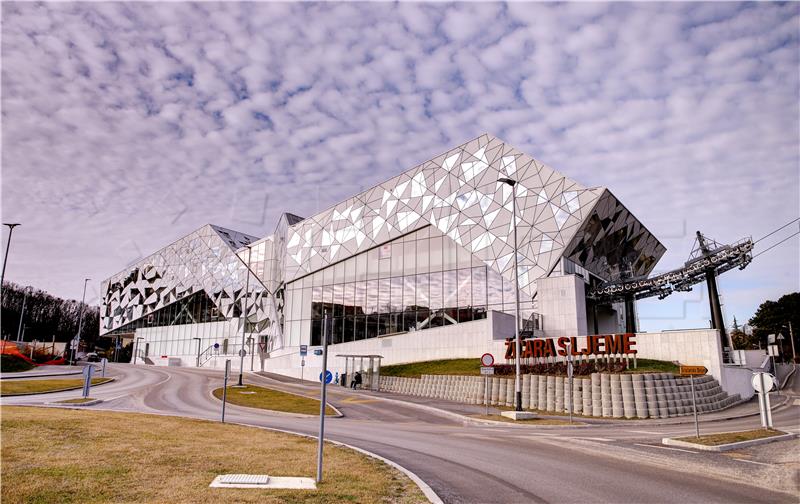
(422, 280)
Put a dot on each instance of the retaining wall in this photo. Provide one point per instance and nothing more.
(651, 395)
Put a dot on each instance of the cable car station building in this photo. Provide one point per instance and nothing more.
(420, 267)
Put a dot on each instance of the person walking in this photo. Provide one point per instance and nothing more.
(356, 380)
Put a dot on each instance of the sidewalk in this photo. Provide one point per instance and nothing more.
(468, 411)
(44, 371)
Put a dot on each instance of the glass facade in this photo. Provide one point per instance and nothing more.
(415, 282)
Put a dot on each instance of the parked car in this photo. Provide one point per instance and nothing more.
(92, 357)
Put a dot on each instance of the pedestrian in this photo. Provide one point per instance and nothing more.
(357, 380)
(336, 381)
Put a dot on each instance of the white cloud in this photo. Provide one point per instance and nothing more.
(127, 125)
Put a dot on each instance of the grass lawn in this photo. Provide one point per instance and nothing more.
(472, 367)
(22, 387)
(467, 367)
(265, 398)
(530, 421)
(79, 400)
(732, 437)
(653, 366)
(66, 456)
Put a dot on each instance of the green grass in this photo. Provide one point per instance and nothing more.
(264, 398)
(85, 456)
(468, 367)
(732, 437)
(79, 400)
(653, 366)
(14, 364)
(472, 367)
(22, 387)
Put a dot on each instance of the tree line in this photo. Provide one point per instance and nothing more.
(46, 316)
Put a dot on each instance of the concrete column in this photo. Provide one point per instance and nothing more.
(662, 386)
(616, 396)
(510, 395)
(495, 390)
(526, 391)
(586, 392)
(628, 404)
(597, 402)
(533, 402)
(639, 396)
(560, 392)
(577, 396)
(551, 393)
(650, 394)
(605, 394)
(541, 399)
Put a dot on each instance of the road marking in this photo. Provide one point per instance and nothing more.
(796, 402)
(645, 432)
(353, 400)
(666, 448)
(605, 440)
(752, 462)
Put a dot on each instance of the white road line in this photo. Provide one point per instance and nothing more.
(752, 462)
(665, 448)
(646, 432)
(606, 440)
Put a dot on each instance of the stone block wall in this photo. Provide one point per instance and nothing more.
(651, 395)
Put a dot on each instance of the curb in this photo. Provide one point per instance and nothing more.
(727, 446)
(431, 495)
(72, 405)
(791, 373)
(338, 414)
(110, 379)
(48, 375)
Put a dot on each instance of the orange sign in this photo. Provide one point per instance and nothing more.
(693, 370)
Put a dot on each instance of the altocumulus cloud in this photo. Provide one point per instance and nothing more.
(126, 125)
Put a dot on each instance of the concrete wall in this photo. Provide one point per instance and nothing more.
(465, 340)
(562, 304)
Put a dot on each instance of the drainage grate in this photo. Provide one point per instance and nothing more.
(244, 479)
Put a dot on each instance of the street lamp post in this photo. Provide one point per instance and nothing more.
(11, 226)
(518, 345)
(22, 314)
(791, 339)
(80, 317)
(244, 315)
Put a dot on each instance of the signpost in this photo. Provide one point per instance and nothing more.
(763, 383)
(323, 392)
(487, 361)
(569, 377)
(303, 353)
(225, 387)
(328, 377)
(87, 380)
(693, 371)
(104, 361)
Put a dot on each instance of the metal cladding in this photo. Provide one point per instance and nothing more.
(457, 192)
(204, 260)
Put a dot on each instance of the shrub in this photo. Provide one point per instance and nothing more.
(13, 363)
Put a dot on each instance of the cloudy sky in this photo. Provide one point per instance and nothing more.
(127, 125)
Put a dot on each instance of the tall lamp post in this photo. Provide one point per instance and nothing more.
(518, 345)
(791, 339)
(22, 314)
(11, 226)
(244, 315)
(80, 317)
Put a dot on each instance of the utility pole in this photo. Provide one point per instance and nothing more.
(80, 317)
(22, 315)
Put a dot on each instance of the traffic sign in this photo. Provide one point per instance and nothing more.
(242, 352)
(772, 350)
(318, 351)
(487, 359)
(303, 350)
(487, 370)
(328, 377)
(693, 370)
(216, 346)
(768, 381)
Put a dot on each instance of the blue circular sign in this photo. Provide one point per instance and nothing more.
(328, 377)
(216, 345)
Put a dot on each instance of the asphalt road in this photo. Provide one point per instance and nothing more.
(471, 462)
